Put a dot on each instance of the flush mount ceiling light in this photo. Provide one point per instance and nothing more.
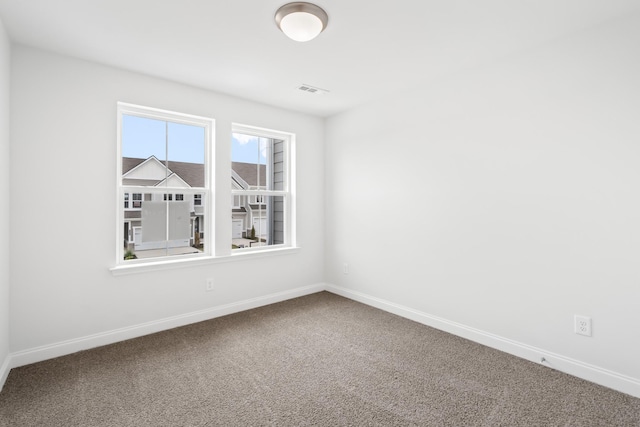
(301, 21)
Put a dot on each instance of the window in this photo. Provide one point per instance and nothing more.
(137, 201)
(261, 175)
(164, 184)
(165, 189)
(257, 199)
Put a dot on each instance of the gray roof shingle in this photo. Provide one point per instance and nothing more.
(193, 173)
(249, 172)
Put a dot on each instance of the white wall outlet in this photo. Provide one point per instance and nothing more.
(582, 325)
(209, 285)
(345, 268)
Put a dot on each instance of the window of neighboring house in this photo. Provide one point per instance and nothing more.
(137, 201)
(163, 157)
(262, 172)
(132, 201)
(257, 199)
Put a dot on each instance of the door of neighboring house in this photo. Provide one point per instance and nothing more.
(236, 232)
(260, 224)
(126, 235)
(137, 235)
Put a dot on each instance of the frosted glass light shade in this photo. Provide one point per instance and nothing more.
(301, 26)
(301, 21)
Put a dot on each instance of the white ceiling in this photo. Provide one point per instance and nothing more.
(369, 49)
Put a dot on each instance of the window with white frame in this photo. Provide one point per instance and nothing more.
(164, 184)
(262, 176)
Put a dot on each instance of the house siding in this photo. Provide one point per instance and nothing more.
(277, 207)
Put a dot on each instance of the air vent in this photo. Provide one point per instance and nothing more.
(312, 89)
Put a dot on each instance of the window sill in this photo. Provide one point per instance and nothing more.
(170, 264)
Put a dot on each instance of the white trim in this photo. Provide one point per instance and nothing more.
(260, 132)
(173, 262)
(62, 348)
(595, 374)
(4, 370)
(607, 378)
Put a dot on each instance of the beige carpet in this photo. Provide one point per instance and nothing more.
(320, 360)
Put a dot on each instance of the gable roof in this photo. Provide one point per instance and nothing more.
(193, 173)
(249, 172)
(173, 180)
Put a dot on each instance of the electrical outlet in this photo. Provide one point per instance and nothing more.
(583, 325)
(209, 285)
(345, 268)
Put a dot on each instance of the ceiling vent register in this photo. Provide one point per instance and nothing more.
(312, 89)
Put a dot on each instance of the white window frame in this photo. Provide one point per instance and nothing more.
(288, 193)
(208, 203)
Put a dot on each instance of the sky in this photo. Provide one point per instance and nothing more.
(248, 149)
(144, 137)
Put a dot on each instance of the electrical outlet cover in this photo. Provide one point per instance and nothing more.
(582, 325)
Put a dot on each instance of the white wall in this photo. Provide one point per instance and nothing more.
(5, 55)
(503, 198)
(63, 208)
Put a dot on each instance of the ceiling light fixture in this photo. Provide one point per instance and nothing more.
(301, 21)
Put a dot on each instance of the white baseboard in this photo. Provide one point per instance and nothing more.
(561, 363)
(63, 348)
(4, 370)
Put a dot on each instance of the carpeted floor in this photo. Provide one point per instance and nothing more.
(320, 360)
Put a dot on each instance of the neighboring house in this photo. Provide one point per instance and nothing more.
(248, 211)
(186, 210)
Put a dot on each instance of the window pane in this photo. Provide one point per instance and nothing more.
(142, 138)
(168, 158)
(166, 227)
(260, 224)
(185, 150)
(147, 144)
(258, 163)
